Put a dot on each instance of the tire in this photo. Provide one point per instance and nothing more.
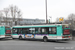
(13, 38)
(56, 41)
(45, 39)
(20, 37)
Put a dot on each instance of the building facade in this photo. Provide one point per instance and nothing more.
(31, 21)
(10, 22)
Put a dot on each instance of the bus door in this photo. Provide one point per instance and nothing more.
(52, 32)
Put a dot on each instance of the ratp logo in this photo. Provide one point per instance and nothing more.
(60, 19)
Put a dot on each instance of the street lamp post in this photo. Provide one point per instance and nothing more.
(46, 11)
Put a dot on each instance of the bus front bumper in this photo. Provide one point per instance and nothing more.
(65, 39)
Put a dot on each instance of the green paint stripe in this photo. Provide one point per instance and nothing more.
(14, 34)
(34, 26)
(2, 35)
(66, 35)
(66, 28)
(7, 34)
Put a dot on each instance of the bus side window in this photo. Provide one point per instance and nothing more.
(22, 30)
(37, 30)
(26, 30)
(49, 30)
(52, 30)
(15, 31)
(32, 30)
(19, 31)
(45, 30)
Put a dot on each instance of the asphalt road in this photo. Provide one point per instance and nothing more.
(9, 44)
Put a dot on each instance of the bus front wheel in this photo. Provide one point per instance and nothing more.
(45, 39)
(20, 37)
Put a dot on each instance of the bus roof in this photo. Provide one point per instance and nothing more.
(5, 25)
(47, 25)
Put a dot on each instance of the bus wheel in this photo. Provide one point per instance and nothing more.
(20, 37)
(13, 38)
(56, 40)
(45, 39)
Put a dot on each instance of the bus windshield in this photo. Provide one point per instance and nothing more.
(66, 29)
(65, 26)
(8, 30)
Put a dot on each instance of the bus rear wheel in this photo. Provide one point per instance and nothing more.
(45, 39)
(20, 37)
(13, 38)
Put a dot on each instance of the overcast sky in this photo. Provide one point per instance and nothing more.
(36, 8)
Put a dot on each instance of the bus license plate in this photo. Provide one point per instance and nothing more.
(66, 36)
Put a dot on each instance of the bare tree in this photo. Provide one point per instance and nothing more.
(6, 11)
(19, 16)
(15, 13)
(71, 18)
(1, 15)
(11, 11)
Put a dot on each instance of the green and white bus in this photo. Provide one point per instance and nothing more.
(45, 32)
(4, 31)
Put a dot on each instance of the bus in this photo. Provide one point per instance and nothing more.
(4, 30)
(7, 31)
(46, 32)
